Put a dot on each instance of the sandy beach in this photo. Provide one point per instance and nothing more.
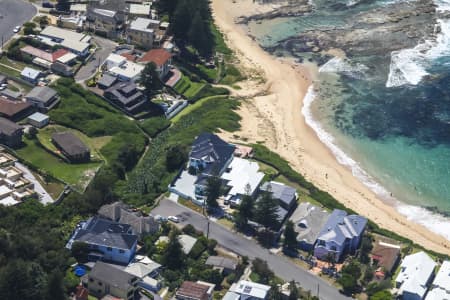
(271, 112)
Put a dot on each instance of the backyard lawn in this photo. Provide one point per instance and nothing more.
(76, 175)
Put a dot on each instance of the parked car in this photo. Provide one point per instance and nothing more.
(160, 218)
(173, 219)
(48, 5)
(16, 29)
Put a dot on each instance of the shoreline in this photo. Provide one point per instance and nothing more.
(274, 117)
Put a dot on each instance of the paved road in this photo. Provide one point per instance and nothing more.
(105, 47)
(245, 247)
(13, 13)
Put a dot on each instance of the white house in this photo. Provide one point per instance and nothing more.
(441, 284)
(250, 290)
(125, 70)
(416, 271)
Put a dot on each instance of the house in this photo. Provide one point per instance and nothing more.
(242, 177)
(62, 69)
(139, 10)
(105, 22)
(106, 81)
(440, 288)
(78, 43)
(106, 279)
(14, 110)
(141, 32)
(122, 213)
(14, 187)
(416, 273)
(43, 98)
(161, 58)
(125, 70)
(108, 240)
(41, 57)
(225, 265)
(38, 120)
(127, 97)
(146, 274)
(187, 242)
(385, 256)
(284, 194)
(11, 95)
(10, 133)
(250, 290)
(71, 147)
(308, 222)
(31, 75)
(210, 154)
(194, 291)
(341, 234)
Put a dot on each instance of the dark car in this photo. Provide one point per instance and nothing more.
(48, 5)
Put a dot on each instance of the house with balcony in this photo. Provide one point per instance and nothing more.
(127, 97)
(141, 32)
(107, 240)
(105, 21)
(106, 279)
(340, 235)
(162, 60)
(43, 98)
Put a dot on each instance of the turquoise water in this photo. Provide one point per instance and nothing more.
(390, 114)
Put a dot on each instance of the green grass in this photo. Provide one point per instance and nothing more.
(232, 75)
(155, 125)
(9, 71)
(76, 175)
(220, 45)
(196, 105)
(254, 277)
(13, 63)
(188, 88)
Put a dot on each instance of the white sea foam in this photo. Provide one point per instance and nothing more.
(344, 66)
(433, 222)
(408, 66)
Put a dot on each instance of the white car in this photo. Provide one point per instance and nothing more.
(16, 29)
(173, 219)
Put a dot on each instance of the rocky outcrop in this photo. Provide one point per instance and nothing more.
(374, 32)
(290, 8)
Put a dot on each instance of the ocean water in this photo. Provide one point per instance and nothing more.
(386, 117)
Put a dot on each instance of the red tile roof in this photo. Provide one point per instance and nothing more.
(193, 290)
(129, 56)
(157, 56)
(51, 57)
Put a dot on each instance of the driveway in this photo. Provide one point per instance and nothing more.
(14, 13)
(247, 247)
(104, 48)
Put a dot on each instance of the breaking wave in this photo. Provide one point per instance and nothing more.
(344, 66)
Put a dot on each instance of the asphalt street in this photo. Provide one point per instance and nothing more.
(247, 247)
(14, 13)
(105, 47)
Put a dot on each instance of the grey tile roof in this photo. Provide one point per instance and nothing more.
(11, 94)
(42, 93)
(112, 275)
(220, 261)
(340, 227)
(70, 143)
(107, 80)
(308, 222)
(210, 148)
(7, 127)
(107, 233)
(281, 192)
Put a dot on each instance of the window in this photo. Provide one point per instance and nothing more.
(121, 251)
(100, 283)
(109, 249)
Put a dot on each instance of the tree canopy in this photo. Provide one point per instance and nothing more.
(290, 237)
(266, 211)
(150, 80)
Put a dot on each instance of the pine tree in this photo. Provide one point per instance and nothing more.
(290, 237)
(181, 20)
(266, 211)
(174, 257)
(150, 80)
(55, 287)
(213, 191)
(294, 293)
(245, 211)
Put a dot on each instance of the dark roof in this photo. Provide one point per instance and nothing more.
(281, 192)
(107, 80)
(113, 5)
(123, 92)
(386, 255)
(157, 56)
(70, 143)
(193, 290)
(223, 262)
(213, 150)
(12, 108)
(112, 275)
(7, 127)
(42, 94)
(107, 233)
